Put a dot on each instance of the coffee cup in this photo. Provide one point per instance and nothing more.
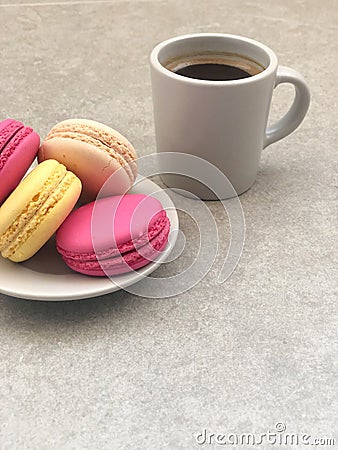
(211, 99)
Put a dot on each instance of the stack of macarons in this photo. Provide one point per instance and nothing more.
(79, 160)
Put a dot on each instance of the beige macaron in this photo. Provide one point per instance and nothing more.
(97, 154)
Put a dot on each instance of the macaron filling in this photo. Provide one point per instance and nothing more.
(112, 142)
(40, 215)
(132, 259)
(114, 235)
(96, 143)
(159, 224)
(40, 203)
(111, 139)
(32, 206)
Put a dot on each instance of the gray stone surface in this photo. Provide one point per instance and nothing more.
(121, 372)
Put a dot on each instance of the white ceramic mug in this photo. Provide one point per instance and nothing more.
(223, 122)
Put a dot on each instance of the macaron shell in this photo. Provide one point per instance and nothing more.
(141, 241)
(107, 135)
(8, 128)
(74, 141)
(28, 197)
(134, 260)
(23, 149)
(124, 232)
(46, 222)
(92, 166)
(5, 123)
(124, 263)
(36, 208)
(108, 223)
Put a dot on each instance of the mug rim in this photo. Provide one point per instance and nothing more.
(271, 67)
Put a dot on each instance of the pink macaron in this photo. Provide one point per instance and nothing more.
(18, 148)
(114, 235)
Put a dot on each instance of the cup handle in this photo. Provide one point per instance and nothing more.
(293, 118)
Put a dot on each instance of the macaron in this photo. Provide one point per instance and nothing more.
(94, 152)
(114, 235)
(18, 148)
(36, 208)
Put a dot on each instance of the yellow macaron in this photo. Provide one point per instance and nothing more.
(36, 209)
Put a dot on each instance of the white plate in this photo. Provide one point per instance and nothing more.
(46, 277)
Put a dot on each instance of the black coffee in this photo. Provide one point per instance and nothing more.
(213, 72)
(213, 66)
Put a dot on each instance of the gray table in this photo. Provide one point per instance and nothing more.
(120, 371)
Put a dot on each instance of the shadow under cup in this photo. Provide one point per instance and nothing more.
(211, 119)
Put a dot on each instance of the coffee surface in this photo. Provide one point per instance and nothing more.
(213, 72)
(211, 66)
